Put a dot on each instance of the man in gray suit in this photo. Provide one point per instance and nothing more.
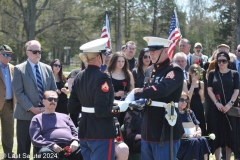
(31, 78)
(185, 46)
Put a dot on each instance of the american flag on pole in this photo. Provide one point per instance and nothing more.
(106, 31)
(174, 35)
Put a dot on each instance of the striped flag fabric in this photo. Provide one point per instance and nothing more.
(106, 31)
(174, 35)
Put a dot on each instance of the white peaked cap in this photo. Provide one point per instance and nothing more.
(95, 46)
(156, 41)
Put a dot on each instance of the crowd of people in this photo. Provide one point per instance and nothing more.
(95, 121)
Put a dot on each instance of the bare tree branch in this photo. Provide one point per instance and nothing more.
(55, 23)
(40, 11)
(17, 4)
(12, 36)
(6, 12)
(81, 31)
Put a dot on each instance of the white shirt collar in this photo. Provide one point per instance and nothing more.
(32, 64)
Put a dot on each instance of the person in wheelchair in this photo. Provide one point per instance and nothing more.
(53, 134)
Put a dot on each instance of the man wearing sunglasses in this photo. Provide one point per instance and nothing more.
(7, 100)
(164, 86)
(51, 131)
(31, 78)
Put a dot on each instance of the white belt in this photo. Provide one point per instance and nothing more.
(88, 110)
(161, 104)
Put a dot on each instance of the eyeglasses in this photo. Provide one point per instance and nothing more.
(57, 65)
(6, 55)
(183, 100)
(35, 52)
(224, 61)
(108, 52)
(145, 56)
(198, 47)
(50, 99)
(238, 50)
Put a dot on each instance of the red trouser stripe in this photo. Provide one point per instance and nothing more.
(110, 149)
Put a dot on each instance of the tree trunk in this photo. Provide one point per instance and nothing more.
(238, 21)
(126, 21)
(30, 19)
(119, 27)
(154, 28)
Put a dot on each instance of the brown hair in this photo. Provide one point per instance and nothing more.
(195, 69)
(126, 71)
(60, 73)
(187, 108)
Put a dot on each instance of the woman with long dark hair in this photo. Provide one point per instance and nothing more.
(143, 63)
(122, 78)
(60, 80)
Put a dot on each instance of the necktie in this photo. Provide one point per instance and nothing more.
(238, 68)
(185, 74)
(188, 65)
(39, 84)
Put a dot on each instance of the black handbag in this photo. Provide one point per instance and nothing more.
(233, 111)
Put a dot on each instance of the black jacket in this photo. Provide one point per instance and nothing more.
(93, 88)
(165, 85)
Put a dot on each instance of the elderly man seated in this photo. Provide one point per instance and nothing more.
(54, 134)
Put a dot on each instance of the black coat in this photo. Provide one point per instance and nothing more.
(165, 85)
(93, 88)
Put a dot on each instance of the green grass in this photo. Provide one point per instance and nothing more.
(69, 68)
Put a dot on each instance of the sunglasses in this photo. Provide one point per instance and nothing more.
(35, 52)
(57, 65)
(198, 47)
(238, 50)
(224, 61)
(145, 57)
(183, 100)
(50, 99)
(6, 55)
(108, 52)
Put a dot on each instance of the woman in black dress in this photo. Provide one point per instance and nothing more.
(122, 79)
(225, 82)
(143, 63)
(196, 95)
(60, 80)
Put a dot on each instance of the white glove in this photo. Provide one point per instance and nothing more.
(130, 97)
(123, 106)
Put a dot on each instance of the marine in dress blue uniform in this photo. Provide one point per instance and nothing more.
(93, 95)
(164, 86)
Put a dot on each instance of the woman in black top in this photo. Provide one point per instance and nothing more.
(122, 78)
(60, 80)
(144, 61)
(196, 95)
(223, 82)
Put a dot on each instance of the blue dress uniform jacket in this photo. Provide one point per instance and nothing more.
(165, 85)
(93, 89)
